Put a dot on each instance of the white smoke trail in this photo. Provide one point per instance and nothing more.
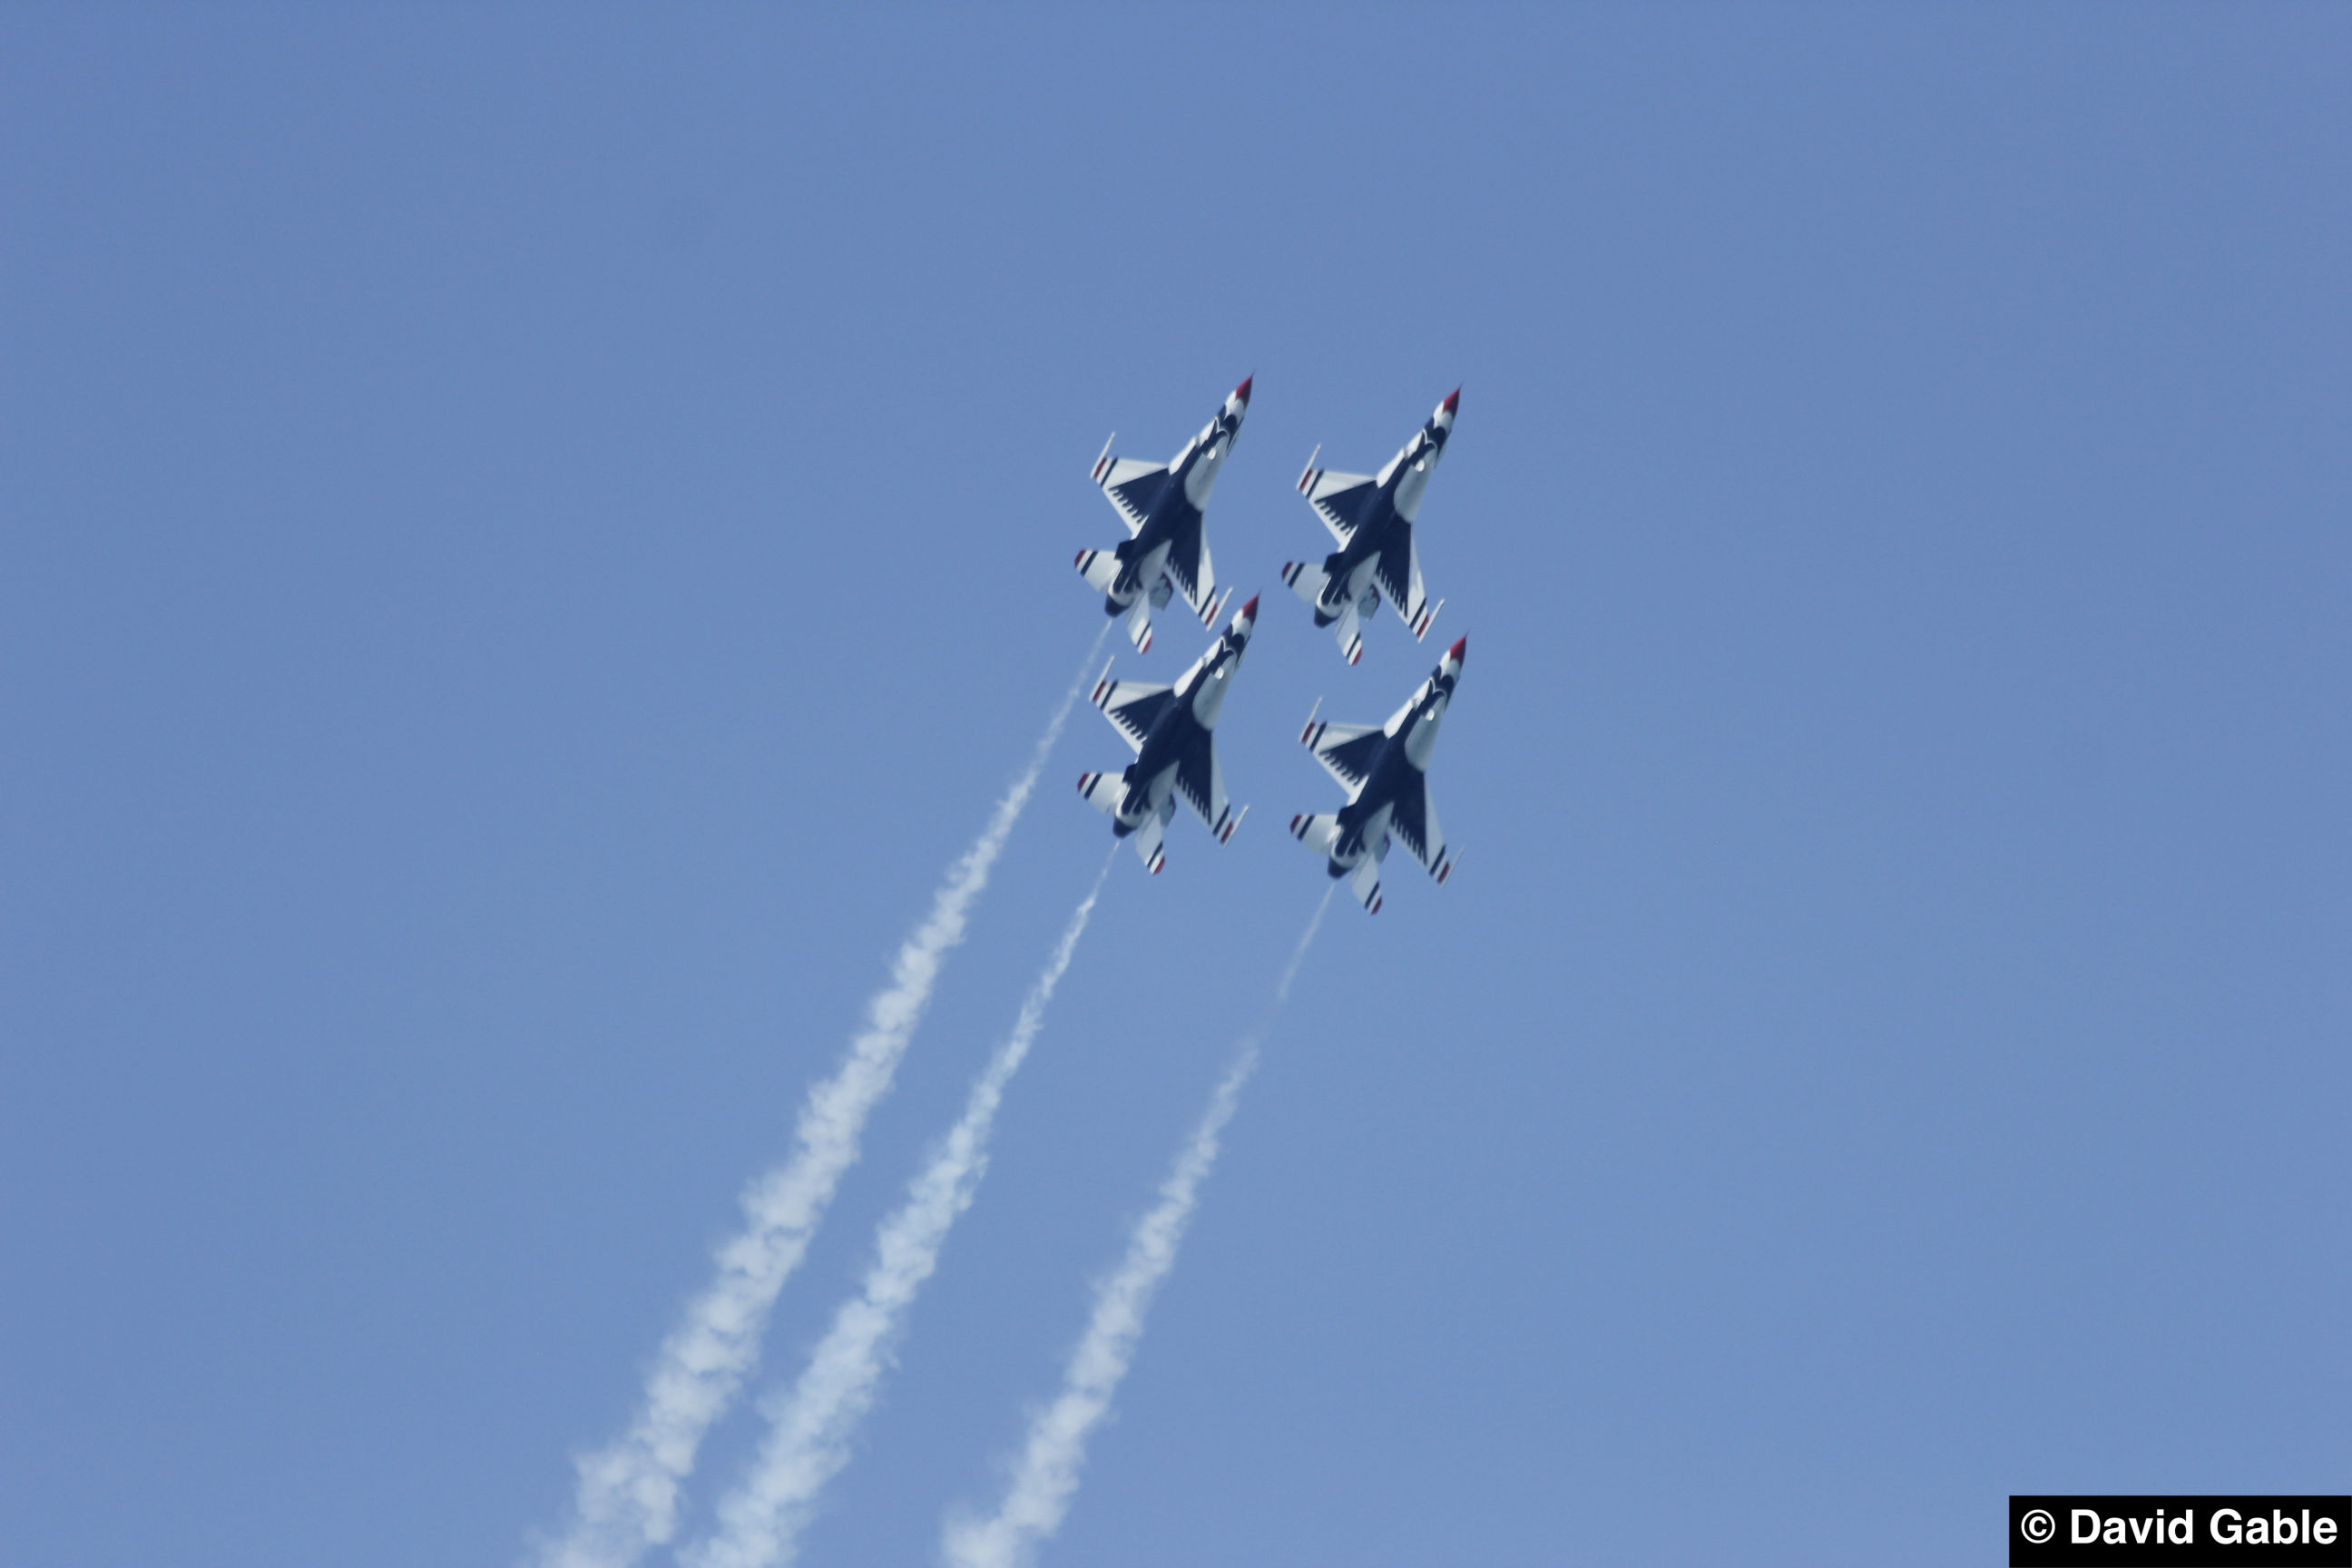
(760, 1524)
(627, 1499)
(1047, 1474)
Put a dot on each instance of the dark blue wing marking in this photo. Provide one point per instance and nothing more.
(1353, 759)
(1410, 821)
(1135, 497)
(1195, 776)
(1346, 510)
(1184, 556)
(1393, 570)
(1136, 716)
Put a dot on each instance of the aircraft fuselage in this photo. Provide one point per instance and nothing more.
(1396, 499)
(1183, 725)
(1178, 510)
(1400, 764)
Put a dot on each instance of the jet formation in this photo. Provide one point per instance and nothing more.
(1171, 730)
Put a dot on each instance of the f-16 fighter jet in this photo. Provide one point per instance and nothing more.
(1371, 516)
(1386, 772)
(1173, 731)
(1162, 505)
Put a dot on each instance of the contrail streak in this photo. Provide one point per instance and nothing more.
(627, 1499)
(760, 1524)
(1047, 1474)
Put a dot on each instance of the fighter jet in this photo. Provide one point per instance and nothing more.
(1173, 731)
(1371, 516)
(1160, 504)
(1385, 771)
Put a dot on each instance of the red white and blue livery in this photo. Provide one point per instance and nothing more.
(1161, 503)
(1371, 516)
(1385, 771)
(1172, 730)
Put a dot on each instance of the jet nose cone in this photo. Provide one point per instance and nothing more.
(1249, 611)
(1241, 393)
(1452, 400)
(1460, 650)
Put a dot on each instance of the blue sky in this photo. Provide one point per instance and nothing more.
(535, 537)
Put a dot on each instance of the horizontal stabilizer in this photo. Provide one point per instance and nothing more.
(1148, 846)
(1366, 884)
(1215, 608)
(1099, 568)
(1139, 624)
(1102, 791)
(1318, 832)
(1225, 825)
(1420, 622)
(1306, 579)
(1445, 865)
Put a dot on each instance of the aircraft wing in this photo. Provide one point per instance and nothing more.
(1201, 784)
(1132, 486)
(1339, 499)
(1194, 575)
(1131, 705)
(1414, 824)
(1345, 751)
(1399, 574)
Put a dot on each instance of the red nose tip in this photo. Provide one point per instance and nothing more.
(1452, 398)
(1249, 611)
(1459, 651)
(1242, 391)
